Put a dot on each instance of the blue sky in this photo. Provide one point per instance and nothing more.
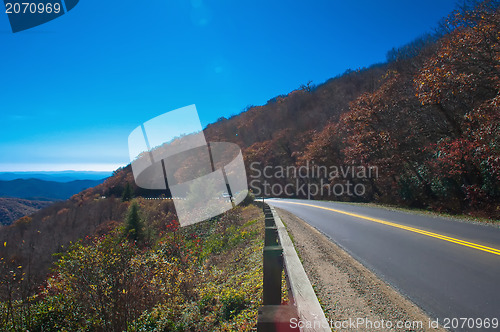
(74, 88)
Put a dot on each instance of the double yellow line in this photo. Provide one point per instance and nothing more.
(411, 229)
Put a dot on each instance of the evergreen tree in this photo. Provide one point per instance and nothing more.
(127, 193)
(133, 223)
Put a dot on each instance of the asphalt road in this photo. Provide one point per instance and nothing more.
(449, 268)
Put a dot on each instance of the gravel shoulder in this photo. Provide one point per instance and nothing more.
(348, 291)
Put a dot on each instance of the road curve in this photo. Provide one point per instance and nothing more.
(449, 268)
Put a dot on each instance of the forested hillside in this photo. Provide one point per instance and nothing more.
(428, 120)
(12, 209)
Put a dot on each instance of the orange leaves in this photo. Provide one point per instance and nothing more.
(462, 71)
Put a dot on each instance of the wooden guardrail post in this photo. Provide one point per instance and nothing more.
(273, 268)
(276, 318)
(269, 222)
(271, 236)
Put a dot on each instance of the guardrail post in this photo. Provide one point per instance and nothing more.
(271, 236)
(276, 318)
(273, 267)
(269, 222)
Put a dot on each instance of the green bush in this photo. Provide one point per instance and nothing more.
(232, 304)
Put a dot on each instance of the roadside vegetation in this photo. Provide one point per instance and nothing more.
(147, 274)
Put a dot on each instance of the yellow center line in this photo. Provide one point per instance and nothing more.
(408, 228)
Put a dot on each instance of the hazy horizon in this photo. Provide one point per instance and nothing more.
(44, 168)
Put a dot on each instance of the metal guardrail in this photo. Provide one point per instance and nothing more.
(304, 313)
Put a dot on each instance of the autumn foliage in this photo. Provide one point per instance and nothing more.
(206, 277)
(429, 121)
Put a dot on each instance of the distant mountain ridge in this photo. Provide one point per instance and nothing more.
(57, 176)
(44, 190)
